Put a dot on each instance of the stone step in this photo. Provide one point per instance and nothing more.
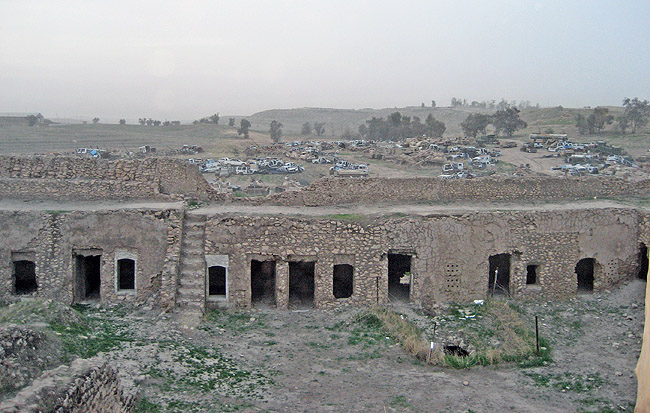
(192, 260)
(194, 218)
(189, 293)
(192, 282)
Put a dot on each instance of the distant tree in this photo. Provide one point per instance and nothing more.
(456, 102)
(157, 123)
(231, 122)
(319, 128)
(167, 123)
(422, 106)
(435, 128)
(32, 120)
(507, 121)
(306, 129)
(215, 118)
(417, 128)
(582, 123)
(95, 120)
(637, 112)
(122, 121)
(244, 126)
(142, 121)
(503, 105)
(275, 131)
(395, 119)
(474, 124)
(363, 130)
(149, 122)
(600, 118)
(348, 134)
(433, 103)
(176, 123)
(622, 122)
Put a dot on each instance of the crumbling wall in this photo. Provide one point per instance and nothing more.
(450, 253)
(87, 385)
(340, 191)
(73, 178)
(54, 236)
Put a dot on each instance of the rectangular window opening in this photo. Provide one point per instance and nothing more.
(343, 280)
(24, 277)
(126, 274)
(531, 274)
(217, 281)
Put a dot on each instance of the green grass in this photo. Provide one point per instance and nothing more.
(233, 321)
(346, 217)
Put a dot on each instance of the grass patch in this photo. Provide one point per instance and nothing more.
(576, 383)
(235, 322)
(346, 217)
(495, 329)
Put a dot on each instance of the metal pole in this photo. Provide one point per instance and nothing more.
(537, 334)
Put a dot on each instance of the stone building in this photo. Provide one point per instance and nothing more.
(241, 255)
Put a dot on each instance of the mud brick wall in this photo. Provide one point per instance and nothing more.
(341, 191)
(73, 178)
(150, 237)
(90, 385)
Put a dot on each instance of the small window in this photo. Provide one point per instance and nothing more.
(531, 275)
(24, 277)
(126, 274)
(343, 280)
(217, 280)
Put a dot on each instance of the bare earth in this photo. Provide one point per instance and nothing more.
(311, 360)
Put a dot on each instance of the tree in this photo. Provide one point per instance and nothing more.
(231, 122)
(306, 129)
(244, 125)
(275, 131)
(433, 103)
(95, 120)
(215, 118)
(583, 125)
(600, 118)
(435, 128)
(319, 128)
(142, 121)
(122, 121)
(622, 122)
(474, 124)
(637, 112)
(507, 121)
(363, 130)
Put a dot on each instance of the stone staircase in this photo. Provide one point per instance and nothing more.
(190, 294)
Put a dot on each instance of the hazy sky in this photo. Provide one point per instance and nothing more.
(186, 59)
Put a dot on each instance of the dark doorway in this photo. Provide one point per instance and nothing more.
(399, 277)
(24, 277)
(531, 274)
(499, 279)
(301, 283)
(585, 273)
(88, 276)
(343, 280)
(643, 262)
(126, 274)
(217, 280)
(263, 282)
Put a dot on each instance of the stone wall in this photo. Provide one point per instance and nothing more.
(341, 191)
(450, 253)
(87, 385)
(72, 178)
(52, 238)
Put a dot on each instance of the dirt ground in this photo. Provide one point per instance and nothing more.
(311, 360)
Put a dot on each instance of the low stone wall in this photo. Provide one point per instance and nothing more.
(85, 386)
(72, 178)
(341, 191)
